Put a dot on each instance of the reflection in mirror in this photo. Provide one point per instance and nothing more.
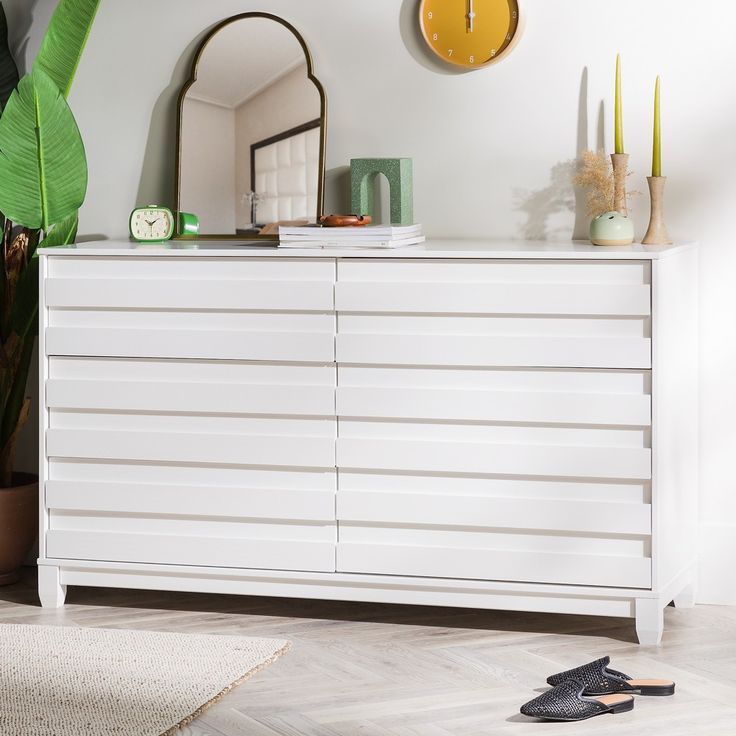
(251, 131)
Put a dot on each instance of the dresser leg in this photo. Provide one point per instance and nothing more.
(649, 621)
(686, 597)
(50, 590)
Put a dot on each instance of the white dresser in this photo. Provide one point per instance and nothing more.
(508, 426)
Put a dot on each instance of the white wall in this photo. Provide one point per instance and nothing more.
(490, 148)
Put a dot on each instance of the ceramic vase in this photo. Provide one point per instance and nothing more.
(657, 232)
(620, 172)
(612, 228)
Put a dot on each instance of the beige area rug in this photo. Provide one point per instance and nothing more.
(61, 681)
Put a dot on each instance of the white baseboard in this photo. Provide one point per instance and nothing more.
(716, 581)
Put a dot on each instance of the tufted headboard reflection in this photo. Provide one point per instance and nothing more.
(285, 175)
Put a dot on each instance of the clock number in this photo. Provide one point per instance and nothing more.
(449, 52)
(435, 37)
(472, 59)
(508, 36)
(430, 15)
(514, 15)
(494, 52)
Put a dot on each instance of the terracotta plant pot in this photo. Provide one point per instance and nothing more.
(18, 525)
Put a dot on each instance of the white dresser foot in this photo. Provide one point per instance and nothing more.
(686, 597)
(50, 590)
(649, 621)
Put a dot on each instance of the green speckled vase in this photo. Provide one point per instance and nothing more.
(612, 228)
(398, 171)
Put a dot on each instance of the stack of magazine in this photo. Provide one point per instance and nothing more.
(367, 236)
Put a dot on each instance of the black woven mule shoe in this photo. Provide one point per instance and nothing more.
(599, 679)
(566, 702)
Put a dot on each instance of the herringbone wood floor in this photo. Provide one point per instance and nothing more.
(373, 670)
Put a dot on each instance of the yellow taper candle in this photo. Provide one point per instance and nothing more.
(619, 109)
(657, 155)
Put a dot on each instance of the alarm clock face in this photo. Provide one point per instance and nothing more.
(151, 224)
(470, 33)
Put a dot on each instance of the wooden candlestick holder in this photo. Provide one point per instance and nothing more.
(657, 232)
(620, 172)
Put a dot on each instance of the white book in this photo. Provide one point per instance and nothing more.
(337, 244)
(366, 232)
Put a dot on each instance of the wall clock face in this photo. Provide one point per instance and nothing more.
(470, 33)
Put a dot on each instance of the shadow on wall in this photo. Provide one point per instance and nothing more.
(561, 196)
(20, 16)
(337, 191)
(411, 35)
(543, 205)
(338, 195)
(158, 176)
(582, 223)
(92, 238)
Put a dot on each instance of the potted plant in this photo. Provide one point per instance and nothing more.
(43, 182)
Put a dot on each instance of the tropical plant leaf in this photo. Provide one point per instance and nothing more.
(43, 168)
(63, 233)
(9, 76)
(25, 303)
(65, 39)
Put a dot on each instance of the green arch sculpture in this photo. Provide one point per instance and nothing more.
(398, 171)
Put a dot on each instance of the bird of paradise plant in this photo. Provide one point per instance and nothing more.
(43, 182)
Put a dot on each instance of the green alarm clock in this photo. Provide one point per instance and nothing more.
(188, 225)
(152, 224)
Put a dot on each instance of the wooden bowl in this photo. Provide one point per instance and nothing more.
(345, 220)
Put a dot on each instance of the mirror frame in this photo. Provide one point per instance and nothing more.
(180, 109)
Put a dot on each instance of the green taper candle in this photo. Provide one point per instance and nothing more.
(619, 109)
(657, 155)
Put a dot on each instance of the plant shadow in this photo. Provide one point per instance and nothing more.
(541, 206)
(562, 197)
(20, 20)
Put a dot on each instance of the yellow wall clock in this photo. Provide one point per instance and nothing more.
(470, 33)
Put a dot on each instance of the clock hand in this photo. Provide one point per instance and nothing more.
(471, 16)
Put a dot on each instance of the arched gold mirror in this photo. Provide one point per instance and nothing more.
(251, 131)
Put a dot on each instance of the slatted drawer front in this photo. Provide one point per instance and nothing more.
(494, 313)
(249, 309)
(181, 386)
(615, 398)
(529, 475)
(192, 463)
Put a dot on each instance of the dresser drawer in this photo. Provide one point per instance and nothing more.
(561, 396)
(478, 559)
(495, 287)
(229, 309)
(472, 526)
(496, 474)
(187, 386)
(495, 313)
(190, 513)
(179, 411)
(201, 463)
(190, 283)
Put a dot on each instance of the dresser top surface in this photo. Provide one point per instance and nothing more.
(435, 248)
